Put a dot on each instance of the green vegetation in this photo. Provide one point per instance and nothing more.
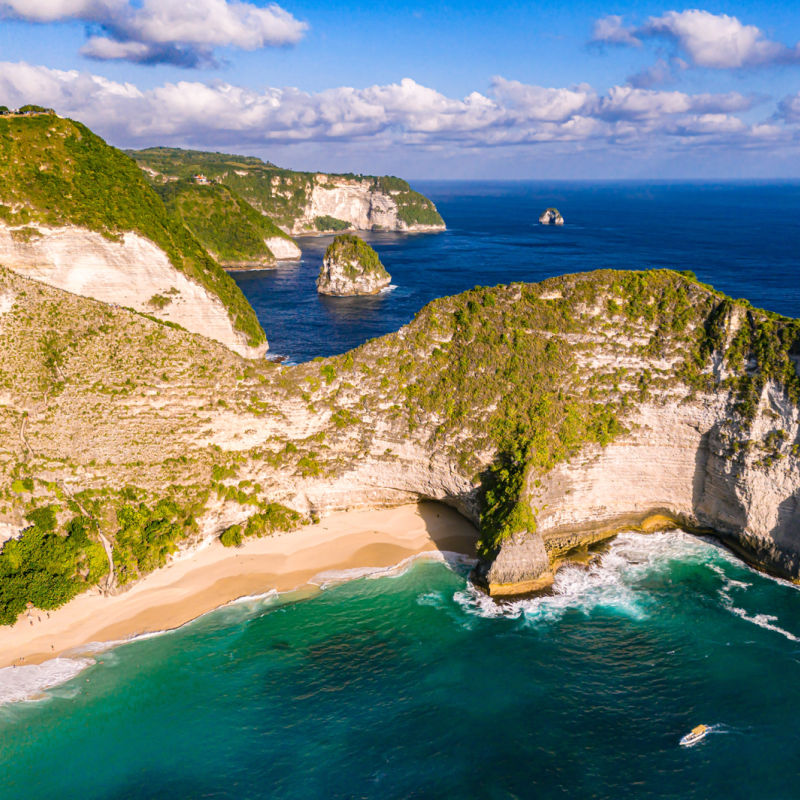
(356, 256)
(57, 172)
(146, 536)
(281, 194)
(273, 518)
(46, 567)
(224, 223)
(328, 223)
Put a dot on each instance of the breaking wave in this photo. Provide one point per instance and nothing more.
(30, 681)
(610, 581)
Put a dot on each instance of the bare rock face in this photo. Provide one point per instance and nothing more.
(363, 206)
(521, 566)
(351, 267)
(551, 216)
(132, 272)
(283, 249)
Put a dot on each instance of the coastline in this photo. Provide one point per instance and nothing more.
(212, 576)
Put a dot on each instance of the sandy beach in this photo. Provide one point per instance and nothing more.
(212, 576)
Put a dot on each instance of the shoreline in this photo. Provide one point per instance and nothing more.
(212, 576)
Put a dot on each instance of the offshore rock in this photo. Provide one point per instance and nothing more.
(351, 267)
(551, 216)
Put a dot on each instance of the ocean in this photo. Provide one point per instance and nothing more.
(415, 685)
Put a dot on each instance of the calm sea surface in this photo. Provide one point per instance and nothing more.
(416, 686)
(742, 238)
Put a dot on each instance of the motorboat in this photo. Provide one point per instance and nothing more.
(695, 735)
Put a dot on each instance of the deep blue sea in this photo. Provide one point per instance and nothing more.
(416, 686)
(743, 238)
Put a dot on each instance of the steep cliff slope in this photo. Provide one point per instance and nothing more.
(232, 231)
(552, 414)
(79, 214)
(301, 202)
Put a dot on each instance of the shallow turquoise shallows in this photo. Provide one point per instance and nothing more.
(417, 686)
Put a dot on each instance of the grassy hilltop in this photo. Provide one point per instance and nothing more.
(226, 225)
(116, 427)
(57, 172)
(281, 194)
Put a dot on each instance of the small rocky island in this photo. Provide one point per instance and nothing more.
(551, 216)
(351, 267)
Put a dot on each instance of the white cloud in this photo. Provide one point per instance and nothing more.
(166, 31)
(717, 41)
(392, 116)
(611, 29)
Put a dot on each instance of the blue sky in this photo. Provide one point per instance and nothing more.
(473, 89)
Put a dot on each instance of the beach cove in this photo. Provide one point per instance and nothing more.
(347, 544)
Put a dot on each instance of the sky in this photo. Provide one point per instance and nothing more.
(473, 89)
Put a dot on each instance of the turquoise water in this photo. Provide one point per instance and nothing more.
(416, 686)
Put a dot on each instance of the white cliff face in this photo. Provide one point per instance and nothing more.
(133, 272)
(354, 202)
(283, 249)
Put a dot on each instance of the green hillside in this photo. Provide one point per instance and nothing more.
(281, 194)
(225, 224)
(57, 172)
(356, 256)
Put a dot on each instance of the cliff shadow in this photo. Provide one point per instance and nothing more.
(450, 531)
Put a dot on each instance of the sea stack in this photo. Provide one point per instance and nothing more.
(551, 216)
(351, 267)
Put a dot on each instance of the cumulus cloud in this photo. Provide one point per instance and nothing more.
(165, 31)
(395, 115)
(716, 41)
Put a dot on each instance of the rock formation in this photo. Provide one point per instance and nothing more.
(553, 415)
(551, 216)
(363, 205)
(351, 267)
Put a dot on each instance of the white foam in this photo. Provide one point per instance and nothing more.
(256, 598)
(765, 621)
(608, 582)
(386, 289)
(29, 682)
(329, 578)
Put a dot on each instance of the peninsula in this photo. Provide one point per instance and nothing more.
(300, 202)
(551, 415)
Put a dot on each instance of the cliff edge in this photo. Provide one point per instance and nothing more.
(553, 415)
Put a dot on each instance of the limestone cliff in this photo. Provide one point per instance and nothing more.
(72, 206)
(300, 202)
(130, 271)
(351, 267)
(551, 414)
(363, 205)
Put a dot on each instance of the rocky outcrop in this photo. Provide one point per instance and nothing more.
(520, 566)
(551, 216)
(127, 271)
(283, 249)
(351, 267)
